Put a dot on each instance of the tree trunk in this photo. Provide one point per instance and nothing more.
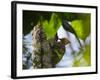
(46, 53)
(42, 54)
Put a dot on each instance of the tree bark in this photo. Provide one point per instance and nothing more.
(41, 49)
(46, 53)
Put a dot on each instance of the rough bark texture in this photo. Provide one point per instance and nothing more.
(41, 49)
(46, 53)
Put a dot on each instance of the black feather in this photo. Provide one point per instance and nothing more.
(69, 28)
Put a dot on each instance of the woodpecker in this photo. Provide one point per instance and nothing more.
(75, 44)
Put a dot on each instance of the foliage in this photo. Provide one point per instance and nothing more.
(78, 27)
(51, 21)
(51, 26)
(82, 26)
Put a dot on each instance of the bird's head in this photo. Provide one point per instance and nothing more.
(64, 41)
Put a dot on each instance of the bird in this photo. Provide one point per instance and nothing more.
(58, 49)
(74, 46)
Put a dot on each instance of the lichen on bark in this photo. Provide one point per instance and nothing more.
(46, 53)
(41, 49)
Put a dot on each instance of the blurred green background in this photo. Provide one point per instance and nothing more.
(51, 21)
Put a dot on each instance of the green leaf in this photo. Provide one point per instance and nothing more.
(51, 26)
(78, 27)
(82, 25)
